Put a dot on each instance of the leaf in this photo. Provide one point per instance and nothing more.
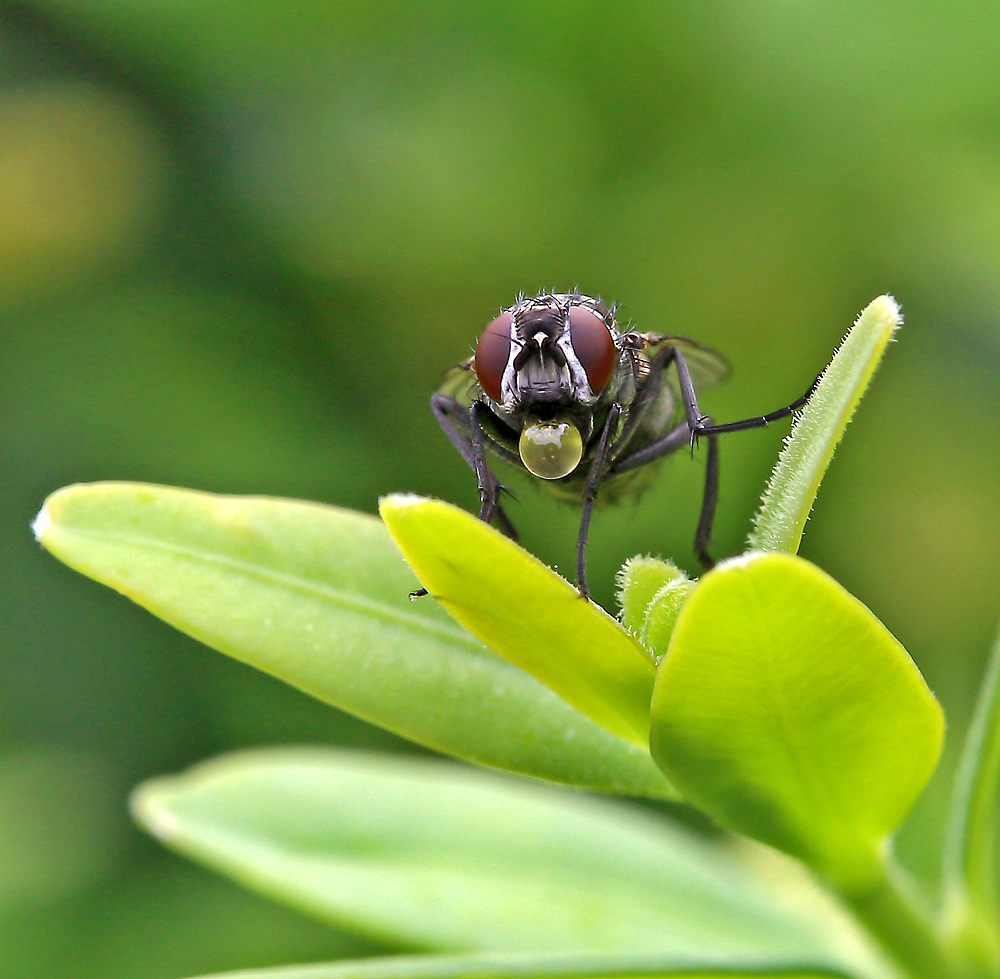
(970, 866)
(788, 712)
(809, 448)
(443, 857)
(318, 597)
(639, 579)
(525, 612)
(492, 966)
(661, 617)
(652, 593)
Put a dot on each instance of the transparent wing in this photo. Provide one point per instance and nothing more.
(461, 383)
(708, 367)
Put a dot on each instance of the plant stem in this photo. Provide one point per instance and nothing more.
(808, 450)
(903, 929)
(972, 908)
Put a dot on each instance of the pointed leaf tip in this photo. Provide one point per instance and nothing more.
(795, 481)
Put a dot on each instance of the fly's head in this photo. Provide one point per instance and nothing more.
(545, 365)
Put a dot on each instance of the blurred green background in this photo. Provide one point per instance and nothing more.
(240, 241)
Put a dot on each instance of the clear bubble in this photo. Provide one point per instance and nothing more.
(550, 449)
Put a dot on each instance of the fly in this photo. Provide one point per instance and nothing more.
(557, 388)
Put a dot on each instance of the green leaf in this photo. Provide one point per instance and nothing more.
(662, 615)
(639, 579)
(443, 857)
(652, 593)
(319, 597)
(788, 712)
(534, 966)
(525, 612)
(808, 450)
(970, 868)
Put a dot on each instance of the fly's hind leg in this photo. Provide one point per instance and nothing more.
(678, 438)
(700, 425)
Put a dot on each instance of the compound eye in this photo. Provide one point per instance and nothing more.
(492, 354)
(594, 346)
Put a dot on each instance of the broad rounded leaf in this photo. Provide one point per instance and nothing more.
(525, 612)
(788, 712)
(439, 856)
(318, 596)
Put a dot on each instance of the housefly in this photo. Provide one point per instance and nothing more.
(556, 387)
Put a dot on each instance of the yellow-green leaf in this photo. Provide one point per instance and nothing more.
(525, 612)
(318, 597)
(788, 712)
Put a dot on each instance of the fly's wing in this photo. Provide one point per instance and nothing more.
(461, 384)
(708, 367)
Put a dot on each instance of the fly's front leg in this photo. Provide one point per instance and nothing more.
(454, 419)
(589, 495)
(462, 426)
(702, 425)
(489, 485)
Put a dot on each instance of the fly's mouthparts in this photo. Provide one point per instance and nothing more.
(551, 448)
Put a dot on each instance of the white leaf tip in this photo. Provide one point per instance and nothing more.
(154, 817)
(888, 307)
(400, 500)
(41, 524)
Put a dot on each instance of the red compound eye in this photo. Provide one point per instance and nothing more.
(492, 354)
(594, 346)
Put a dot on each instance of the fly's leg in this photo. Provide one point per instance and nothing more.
(679, 438)
(489, 485)
(468, 442)
(451, 414)
(695, 425)
(700, 424)
(709, 498)
(675, 439)
(589, 495)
